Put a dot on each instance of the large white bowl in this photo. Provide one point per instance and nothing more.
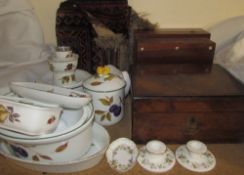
(100, 142)
(28, 116)
(65, 145)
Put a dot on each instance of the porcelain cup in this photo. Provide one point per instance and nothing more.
(196, 150)
(63, 52)
(156, 151)
(109, 106)
(70, 64)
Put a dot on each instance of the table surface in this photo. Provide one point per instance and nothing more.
(229, 158)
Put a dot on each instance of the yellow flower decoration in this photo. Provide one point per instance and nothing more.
(3, 113)
(103, 70)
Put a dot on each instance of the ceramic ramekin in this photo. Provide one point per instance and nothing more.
(69, 64)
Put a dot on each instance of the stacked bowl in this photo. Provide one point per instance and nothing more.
(63, 64)
(48, 125)
(33, 128)
(69, 141)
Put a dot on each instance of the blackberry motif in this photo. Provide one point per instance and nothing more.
(115, 109)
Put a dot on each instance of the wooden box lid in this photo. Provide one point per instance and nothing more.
(173, 46)
(172, 33)
(173, 80)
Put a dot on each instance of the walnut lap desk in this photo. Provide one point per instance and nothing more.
(177, 103)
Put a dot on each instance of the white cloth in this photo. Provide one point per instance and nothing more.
(23, 52)
(225, 32)
(229, 38)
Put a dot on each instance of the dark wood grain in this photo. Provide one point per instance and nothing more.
(172, 33)
(158, 50)
(173, 46)
(175, 106)
(172, 80)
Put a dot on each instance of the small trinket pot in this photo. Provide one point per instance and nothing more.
(108, 91)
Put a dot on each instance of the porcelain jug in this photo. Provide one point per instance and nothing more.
(108, 87)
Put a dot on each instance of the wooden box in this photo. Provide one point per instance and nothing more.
(172, 33)
(191, 46)
(175, 106)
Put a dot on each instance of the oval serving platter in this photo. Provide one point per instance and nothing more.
(66, 98)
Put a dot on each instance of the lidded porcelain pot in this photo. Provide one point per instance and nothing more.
(108, 89)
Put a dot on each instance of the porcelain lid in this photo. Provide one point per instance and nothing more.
(121, 154)
(104, 81)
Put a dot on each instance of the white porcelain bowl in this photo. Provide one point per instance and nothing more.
(69, 64)
(196, 146)
(63, 52)
(63, 79)
(64, 97)
(69, 121)
(100, 142)
(63, 145)
(28, 116)
(80, 77)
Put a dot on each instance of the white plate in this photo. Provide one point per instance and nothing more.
(90, 159)
(66, 98)
(184, 159)
(80, 77)
(121, 154)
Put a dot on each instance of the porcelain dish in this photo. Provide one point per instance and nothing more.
(63, 52)
(6, 91)
(69, 64)
(80, 77)
(122, 154)
(184, 158)
(70, 120)
(67, 144)
(16, 114)
(64, 97)
(156, 157)
(63, 79)
(108, 94)
(122, 74)
(100, 142)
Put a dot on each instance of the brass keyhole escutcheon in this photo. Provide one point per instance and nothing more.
(192, 125)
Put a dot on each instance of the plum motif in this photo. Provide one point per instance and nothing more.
(115, 109)
(18, 151)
